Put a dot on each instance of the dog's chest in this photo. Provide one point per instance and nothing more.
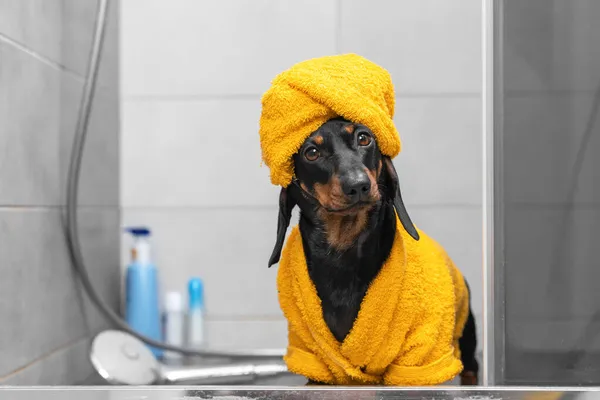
(341, 291)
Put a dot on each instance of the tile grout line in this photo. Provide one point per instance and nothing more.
(189, 97)
(38, 209)
(39, 57)
(184, 208)
(256, 97)
(338, 27)
(34, 208)
(132, 98)
(43, 357)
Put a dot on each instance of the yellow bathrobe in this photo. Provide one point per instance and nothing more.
(407, 329)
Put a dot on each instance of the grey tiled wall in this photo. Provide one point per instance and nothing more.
(45, 319)
(193, 73)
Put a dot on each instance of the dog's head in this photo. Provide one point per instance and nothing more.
(340, 172)
(338, 166)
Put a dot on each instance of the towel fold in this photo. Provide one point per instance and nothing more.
(407, 329)
(310, 93)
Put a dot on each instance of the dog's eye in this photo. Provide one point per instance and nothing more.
(363, 139)
(312, 154)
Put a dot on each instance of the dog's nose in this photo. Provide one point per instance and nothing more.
(356, 186)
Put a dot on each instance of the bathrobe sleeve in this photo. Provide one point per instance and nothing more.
(430, 355)
(302, 361)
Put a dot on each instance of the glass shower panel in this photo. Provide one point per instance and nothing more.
(547, 191)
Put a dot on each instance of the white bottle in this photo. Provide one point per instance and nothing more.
(174, 322)
(195, 335)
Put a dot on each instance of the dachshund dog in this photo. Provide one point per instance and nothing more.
(349, 195)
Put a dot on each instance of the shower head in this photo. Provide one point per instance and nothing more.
(122, 359)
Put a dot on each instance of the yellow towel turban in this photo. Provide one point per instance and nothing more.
(310, 93)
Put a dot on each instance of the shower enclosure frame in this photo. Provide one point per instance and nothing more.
(492, 277)
(493, 218)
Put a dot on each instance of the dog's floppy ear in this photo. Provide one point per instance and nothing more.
(394, 187)
(286, 204)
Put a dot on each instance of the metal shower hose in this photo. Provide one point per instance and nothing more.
(71, 230)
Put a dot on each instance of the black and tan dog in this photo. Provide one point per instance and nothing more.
(348, 194)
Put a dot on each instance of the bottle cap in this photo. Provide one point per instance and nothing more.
(140, 252)
(196, 293)
(138, 231)
(173, 302)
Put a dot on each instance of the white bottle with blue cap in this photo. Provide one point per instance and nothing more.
(141, 285)
(195, 335)
(174, 323)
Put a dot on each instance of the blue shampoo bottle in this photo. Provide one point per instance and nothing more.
(142, 303)
(196, 337)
